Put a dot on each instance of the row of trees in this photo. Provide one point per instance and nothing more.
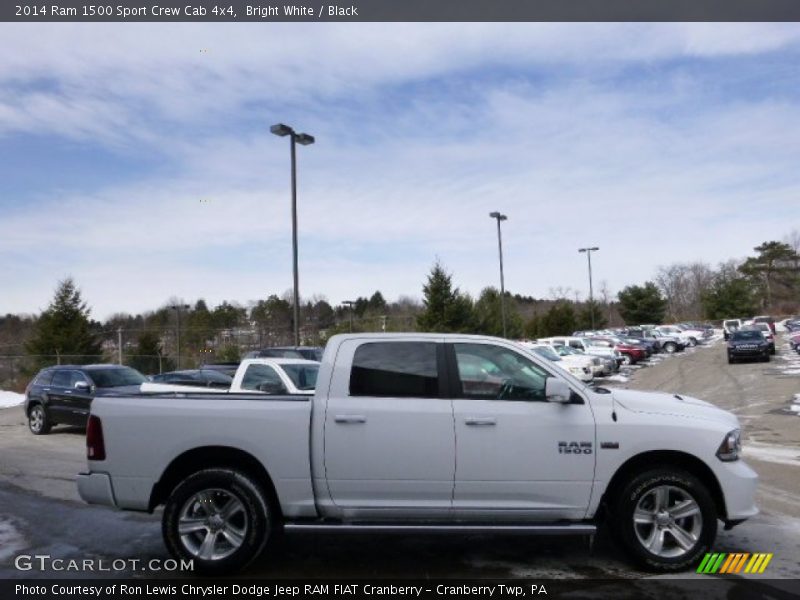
(768, 281)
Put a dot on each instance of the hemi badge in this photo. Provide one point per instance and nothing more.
(609, 445)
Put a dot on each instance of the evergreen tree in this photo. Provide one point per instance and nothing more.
(729, 297)
(558, 320)
(377, 303)
(446, 309)
(489, 316)
(641, 304)
(775, 265)
(229, 353)
(63, 331)
(533, 327)
(149, 355)
(584, 318)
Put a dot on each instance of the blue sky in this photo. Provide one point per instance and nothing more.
(137, 157)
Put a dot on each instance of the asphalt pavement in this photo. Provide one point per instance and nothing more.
(41, 513)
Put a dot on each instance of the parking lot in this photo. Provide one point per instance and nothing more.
(40, 512)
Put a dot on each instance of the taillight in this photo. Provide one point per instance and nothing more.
(95, 447)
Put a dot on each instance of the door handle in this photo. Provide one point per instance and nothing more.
(350, 419)
(480, 421)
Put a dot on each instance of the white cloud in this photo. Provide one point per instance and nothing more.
(645, 170)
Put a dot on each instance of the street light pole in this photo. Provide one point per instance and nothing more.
(350, 304)
(591, 294)
(304, 139)
(501, 217)
(177, 308)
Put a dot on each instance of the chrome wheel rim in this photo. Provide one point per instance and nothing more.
(36, 419)
(213, 524)
(668, 521)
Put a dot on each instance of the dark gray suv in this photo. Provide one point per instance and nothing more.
(64, 394)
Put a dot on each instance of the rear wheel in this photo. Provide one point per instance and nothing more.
(692, 342)
(38, 420)
(670, 347)
(665, 519)
(219, 518)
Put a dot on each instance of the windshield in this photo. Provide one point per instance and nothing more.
(547, 352)
(304, 377)
(747, 335)
(116, 377)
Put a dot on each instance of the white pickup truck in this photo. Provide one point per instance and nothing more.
(423, 432)
(267, 375)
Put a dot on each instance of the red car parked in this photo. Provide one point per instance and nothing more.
(630, 354)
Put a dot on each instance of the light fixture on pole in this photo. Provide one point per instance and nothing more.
(350, 304)
(501, 217)
(304, 140)
(177, 308)
(591, 295)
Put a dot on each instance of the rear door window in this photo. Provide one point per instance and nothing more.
(44, 378)
(395, 370)
(61, 379)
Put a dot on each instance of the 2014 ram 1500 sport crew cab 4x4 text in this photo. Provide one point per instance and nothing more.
(413, 432)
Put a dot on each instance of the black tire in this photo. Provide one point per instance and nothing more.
(670, 347)
(730, 360)
(626, 360)
(766, 357)
(692, 342)
(251, 523)
(699, 528)
(38, 420)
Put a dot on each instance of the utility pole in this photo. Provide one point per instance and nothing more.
(119, 344)
(305, 140)
(350, 303)
(588, 252)
(501, 217)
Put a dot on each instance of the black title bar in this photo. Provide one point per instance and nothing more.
(400, 10)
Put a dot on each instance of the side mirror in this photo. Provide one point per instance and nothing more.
(272, 387)
(82, 386)
(556, 390)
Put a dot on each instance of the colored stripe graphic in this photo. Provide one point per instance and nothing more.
(741, 562)
(727, 564)
(722, 562)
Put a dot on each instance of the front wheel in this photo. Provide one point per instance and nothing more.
(218, 518)
(670, 347)
(666, 519)
(626, 360)
(692, 342)
(38, 420)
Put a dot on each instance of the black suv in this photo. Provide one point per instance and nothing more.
(196, 377)
(63, 394)
(307, 352)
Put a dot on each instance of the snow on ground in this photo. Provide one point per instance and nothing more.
(11, 540)
(10, 399)
(795, 406)
(621, 378)
(782, 455)
(791, 361)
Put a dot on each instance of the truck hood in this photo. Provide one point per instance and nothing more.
(673, 405)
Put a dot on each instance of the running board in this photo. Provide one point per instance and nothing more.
(567, 529)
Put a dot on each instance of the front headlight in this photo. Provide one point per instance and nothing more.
(731, 446)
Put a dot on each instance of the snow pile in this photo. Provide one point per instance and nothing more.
(10, 399)
(11, 540)
(781, 455)
(795, 406)
(792, 362)
(621, 378)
